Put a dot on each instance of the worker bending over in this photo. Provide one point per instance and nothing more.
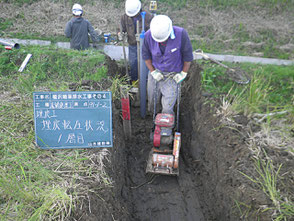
(167, 52)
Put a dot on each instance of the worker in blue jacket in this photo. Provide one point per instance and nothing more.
(77, 30)
(167, 52)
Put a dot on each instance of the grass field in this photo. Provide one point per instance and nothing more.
(36, 184)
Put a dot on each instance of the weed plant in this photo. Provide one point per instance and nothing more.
(267, 180)
(117, 83)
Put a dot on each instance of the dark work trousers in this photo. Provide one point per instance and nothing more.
(133, 59)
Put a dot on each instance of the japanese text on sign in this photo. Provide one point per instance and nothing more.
(73, 119)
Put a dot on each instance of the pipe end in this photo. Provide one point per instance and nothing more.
(16, 46)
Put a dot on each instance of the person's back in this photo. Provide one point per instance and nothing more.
(78, 32)
(78, 28)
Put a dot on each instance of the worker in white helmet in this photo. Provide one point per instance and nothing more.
(77, 30)
(167, 52)
(129, 26)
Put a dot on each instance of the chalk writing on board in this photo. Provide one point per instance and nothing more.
(77, 125)
(73, 119)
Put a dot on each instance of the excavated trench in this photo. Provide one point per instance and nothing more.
(197, 194)
(205, 187)
(163, 197)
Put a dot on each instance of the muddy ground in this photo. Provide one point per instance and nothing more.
(210, 182)
(141, 196)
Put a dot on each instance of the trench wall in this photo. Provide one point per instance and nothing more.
(207, 150)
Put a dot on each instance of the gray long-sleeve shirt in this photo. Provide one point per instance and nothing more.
(77, 29)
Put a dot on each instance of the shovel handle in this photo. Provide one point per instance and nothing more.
(244, 78)
(125, 56)
(205, 56)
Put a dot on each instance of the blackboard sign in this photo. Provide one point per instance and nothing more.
(73, 119)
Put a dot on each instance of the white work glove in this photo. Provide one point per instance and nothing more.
(157, 75)
(121, 35)
(180, 77)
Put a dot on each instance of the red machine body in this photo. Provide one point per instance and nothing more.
(164, 124)
(166, 137)
(164, 156)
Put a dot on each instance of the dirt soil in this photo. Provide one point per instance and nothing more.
(210, 182)
(136, 195)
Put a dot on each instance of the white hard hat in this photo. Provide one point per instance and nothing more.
(132, 7)
(161, 27)
(77, 9)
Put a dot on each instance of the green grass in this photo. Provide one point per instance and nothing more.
(269, 49)
(37, 184)
(270, 85)
(24, 179)
(175, 4)
(117, 83)
(269, 38)
(222, 3)
(267, 179)
(49, 64)
(4, 24)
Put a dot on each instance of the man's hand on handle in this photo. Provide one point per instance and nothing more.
(180, 77)
(157, 75)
